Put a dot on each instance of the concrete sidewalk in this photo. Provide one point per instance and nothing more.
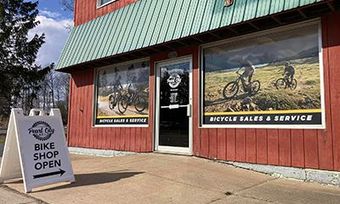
(11, 196)
(8, 195)
(157, 178)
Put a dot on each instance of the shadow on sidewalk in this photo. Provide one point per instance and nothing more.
(92, 179)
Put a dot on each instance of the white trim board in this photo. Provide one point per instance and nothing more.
(169, 149)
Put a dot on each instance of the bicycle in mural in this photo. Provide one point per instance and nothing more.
(131, 97)
(116, 95)
(232, 88)
(286, 82)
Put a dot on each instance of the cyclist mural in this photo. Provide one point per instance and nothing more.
(123, 94)
(271, 79)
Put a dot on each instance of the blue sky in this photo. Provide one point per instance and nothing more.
(56, 23)
(54, 6)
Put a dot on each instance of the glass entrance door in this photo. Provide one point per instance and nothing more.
(173, 112)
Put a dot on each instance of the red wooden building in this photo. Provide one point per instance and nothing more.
(161, 76)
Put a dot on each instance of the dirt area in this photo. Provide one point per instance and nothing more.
(2, 143)
(2, 139)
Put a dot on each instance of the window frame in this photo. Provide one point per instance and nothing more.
(99, 5)
(94, 94)
(292, 27)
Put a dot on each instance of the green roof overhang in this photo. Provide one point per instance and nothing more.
(148, 26)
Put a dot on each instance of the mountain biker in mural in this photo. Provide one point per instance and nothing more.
(133, 84)
(248, 72)
(116, 81)
(289, 72)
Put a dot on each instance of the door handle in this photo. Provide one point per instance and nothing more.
(189, 110)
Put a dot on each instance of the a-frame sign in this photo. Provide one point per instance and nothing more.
(35, 149)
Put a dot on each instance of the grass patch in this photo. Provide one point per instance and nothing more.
(305, 96)
(2, 139)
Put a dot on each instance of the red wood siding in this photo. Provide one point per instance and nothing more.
(81, 133)
(86, 10)
(319, 149)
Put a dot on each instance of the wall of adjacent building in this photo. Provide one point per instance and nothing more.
(86, 10)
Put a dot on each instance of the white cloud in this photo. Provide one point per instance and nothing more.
(50, 14)
(56, 33)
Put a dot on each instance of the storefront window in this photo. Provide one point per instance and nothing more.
(122, 94)
(102, 2)
(271, 80)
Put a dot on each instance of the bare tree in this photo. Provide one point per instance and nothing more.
(61, 93)
(67, 4)
(54, 93)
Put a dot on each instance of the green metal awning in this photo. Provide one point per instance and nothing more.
(151, 22)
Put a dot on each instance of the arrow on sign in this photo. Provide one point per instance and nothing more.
(61, 172)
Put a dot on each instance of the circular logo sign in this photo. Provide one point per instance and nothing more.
(41, 131)
(174, 80)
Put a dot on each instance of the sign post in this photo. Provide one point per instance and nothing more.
(35, 149)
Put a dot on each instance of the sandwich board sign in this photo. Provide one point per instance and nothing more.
(35, 150)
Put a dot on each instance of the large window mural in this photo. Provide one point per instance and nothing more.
(123, 94)
(272, 79)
